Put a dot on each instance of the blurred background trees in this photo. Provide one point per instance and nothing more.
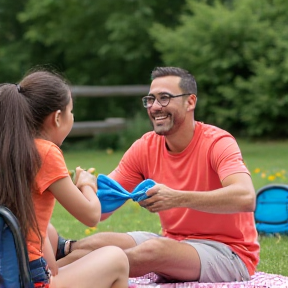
(237, 51)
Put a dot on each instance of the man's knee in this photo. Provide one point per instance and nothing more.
(150, 249)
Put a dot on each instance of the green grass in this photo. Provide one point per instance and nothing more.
(269, 157)
(274, 255)
(101, 160)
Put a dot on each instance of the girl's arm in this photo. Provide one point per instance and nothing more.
(81, 202)
(49, 256)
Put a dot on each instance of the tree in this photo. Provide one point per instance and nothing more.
(13, 59)
(96, 41)
(238, 53)
(102, 42)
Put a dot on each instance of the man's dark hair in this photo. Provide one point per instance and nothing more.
(187, 83)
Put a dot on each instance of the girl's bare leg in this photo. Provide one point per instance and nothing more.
(107, 267)
(71, 257)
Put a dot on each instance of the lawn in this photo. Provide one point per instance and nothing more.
(266, 161)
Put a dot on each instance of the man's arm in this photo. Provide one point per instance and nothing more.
(236, 195)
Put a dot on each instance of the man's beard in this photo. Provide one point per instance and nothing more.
(162, 131)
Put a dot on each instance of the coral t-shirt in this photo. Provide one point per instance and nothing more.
(53, 168)
(211, 156)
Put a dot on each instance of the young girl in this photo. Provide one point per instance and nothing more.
(35, 117)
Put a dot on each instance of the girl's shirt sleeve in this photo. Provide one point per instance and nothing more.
(52, 169)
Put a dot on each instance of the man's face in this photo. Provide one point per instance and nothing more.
(167, 120)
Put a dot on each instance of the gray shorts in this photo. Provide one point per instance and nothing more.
(218, 262)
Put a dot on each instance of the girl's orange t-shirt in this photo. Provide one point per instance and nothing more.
(52, 169)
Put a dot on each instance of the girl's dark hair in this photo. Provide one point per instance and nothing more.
(46, 92)
(23, 109)
(19, 159)
(187, 83)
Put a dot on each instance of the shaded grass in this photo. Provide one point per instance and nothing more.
(274, 254)
(266, 156)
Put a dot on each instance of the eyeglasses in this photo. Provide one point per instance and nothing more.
(163, 100)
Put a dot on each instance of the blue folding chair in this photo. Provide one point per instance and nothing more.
(14, 261)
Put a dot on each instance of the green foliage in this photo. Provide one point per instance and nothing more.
(136, 127)
(102, 42)
(238, 52)
(13, 61)
(236, 49)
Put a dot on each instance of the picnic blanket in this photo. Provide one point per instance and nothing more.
(112, 195)
(259, 280)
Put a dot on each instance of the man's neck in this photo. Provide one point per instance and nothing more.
(177, 142)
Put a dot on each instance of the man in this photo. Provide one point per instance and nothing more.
(204, 194)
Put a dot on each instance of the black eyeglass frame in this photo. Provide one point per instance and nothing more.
(168, 94)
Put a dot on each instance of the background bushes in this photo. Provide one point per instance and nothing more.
(238, 54)
(237, 50)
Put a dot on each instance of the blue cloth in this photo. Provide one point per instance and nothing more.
(112, 195)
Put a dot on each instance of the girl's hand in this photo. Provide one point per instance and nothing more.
(79, 198)
(83, 178)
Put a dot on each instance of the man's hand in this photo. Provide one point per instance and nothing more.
(160, 198)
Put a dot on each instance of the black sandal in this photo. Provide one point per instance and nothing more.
(60, 248)
(60, 253)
